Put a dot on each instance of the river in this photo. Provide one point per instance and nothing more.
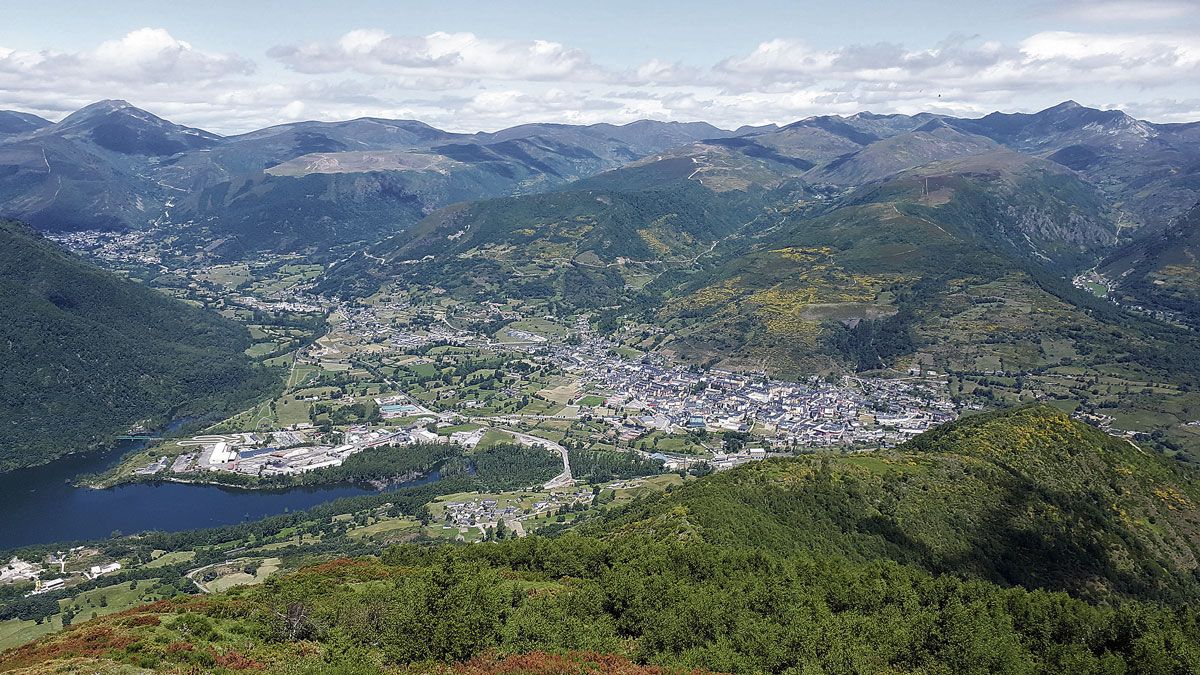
(40, 505)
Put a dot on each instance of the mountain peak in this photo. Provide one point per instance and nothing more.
(1068, 104)
(110, 103)
(119, 126)
(99, 109)
(13, 122)
(935, 124)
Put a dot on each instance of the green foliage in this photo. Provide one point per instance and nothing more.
(1024, 497)
(88, 354)
(598, 467)
(678, 604)
(506, 466)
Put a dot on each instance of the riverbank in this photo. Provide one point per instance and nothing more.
(239, 482)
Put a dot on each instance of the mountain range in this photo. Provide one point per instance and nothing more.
(860, 242)
(112, 165)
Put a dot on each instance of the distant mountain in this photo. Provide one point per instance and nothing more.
(113, 165)
(13, 123)
(581, 243)
(87, 354)
(93, 169)
(1151, 170)
(119, 127)
(55, 183)
(620, 143)
(1161, 271)
(933, 141)
(302, 186)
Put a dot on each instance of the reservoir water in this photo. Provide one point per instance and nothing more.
(40, 505)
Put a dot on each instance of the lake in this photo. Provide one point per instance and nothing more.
(40, 505)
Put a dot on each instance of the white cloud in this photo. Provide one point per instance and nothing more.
(466, 82)
(1045, 60)
(293, 110)
(144, 56)
(1124, 11)
(453, 55)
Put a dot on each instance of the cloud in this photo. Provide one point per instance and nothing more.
(968, 64)
(451, 55)
(467, 82)
(1124, 11)
(144, 56)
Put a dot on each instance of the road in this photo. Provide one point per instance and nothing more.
(200, 585)
(561, 480)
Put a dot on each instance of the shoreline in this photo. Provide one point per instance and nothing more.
(372, 485)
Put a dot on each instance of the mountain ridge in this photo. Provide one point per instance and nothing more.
(51, 173)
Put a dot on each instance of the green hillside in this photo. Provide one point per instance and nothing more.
(591, 245)
(904, 246)
(88, 354)
(1161, 272)
(1025, 497)
(949, 555)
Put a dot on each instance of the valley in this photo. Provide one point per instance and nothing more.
(863, 377)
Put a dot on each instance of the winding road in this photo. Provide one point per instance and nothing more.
(561, 480)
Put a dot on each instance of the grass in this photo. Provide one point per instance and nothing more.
(265, 569)
(493, 437)
(384, 527)
(537, 326)
(15, 632)
(446, 431)
(119, 597)
(260, 349)
(172, 558)
(672, 443)
(560, 394)
(227, 275)
(591, 401)
(289, 411)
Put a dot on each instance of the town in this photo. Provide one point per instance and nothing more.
(623, 395)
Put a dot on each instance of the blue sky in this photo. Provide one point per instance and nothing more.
(232, 67)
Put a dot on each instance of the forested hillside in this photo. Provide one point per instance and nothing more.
(1025, 497)
(88, 354)
(1013, 542)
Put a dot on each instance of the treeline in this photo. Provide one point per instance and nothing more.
(870, 344)
(598, 467)
(508, 466)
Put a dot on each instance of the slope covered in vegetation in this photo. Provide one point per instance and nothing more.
(678, 604)
(1014, 542)
(88, 354)
(1026, 496)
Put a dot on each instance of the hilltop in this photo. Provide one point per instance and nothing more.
(1022, 497)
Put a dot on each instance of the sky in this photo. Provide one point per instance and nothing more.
(232, 67)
